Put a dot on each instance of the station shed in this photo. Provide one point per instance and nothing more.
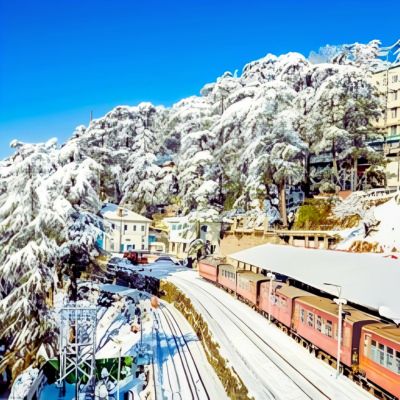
(367, 279)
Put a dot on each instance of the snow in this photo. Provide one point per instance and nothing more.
(263, 371)
(23, 384)
(181, 359)
(386, 233)
(239, 143)
(356, 273)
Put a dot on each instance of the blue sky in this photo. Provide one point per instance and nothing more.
(61, 59)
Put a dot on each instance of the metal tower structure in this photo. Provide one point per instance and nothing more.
(77, 342)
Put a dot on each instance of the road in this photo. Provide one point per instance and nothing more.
(271, 364)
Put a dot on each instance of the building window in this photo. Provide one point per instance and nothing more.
(134, 228)
(395, 95)
(394, 112)
(393, 130)
(142, 246)
(113, 226)
(125, 228)
(394, 78)
(142, 228)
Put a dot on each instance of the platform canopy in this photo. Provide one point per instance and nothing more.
(370, 280)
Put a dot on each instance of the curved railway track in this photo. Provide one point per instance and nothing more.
(297, 377)
(181, 359)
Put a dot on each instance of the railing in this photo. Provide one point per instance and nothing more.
(374, 194)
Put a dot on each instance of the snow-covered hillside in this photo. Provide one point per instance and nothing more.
(378, 231)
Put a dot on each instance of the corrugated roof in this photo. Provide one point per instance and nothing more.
(227, 267)
(391, 332)
(330, 307)
(111, 211)
(370, 280)
(291, 291)
(251, 276)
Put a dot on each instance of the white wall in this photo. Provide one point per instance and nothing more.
(134, 236)
(392, 171)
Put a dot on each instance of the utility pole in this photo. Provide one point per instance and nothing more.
(340, 302)
(120, 211)
(271, 277)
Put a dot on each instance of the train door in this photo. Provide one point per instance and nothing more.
(367, 344)
(295, 315)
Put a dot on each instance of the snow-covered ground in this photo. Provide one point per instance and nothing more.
(271, 364)
(386, 233)
(181, 367)
(181, 362)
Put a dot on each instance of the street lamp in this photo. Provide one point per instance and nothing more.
(271, 277)
(340, 302)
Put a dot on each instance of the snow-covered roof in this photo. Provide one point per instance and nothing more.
(110, 211)
(176, 220)
(370, 280)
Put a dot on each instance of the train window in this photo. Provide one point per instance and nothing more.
(302, 316)
(319, 323)
(397, 368)
(374, 350)
(328, 328)
(381, 354)
(389, 358)
(310, 319)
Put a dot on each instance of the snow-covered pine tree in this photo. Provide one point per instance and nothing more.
(142, 173)
(345, 104)
(192, 118)
(29, 234)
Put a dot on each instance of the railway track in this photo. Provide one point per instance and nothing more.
(180, 386)
(296, 376)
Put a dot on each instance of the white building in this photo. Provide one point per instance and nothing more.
(182, 232)
(125, 230)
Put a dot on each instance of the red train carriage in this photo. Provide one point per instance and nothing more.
(380, 356)
(227, 276)
(316, 320)
(208, 269)
(248, 286)
(282, 297)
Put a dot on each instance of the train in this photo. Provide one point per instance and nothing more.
(370, 347)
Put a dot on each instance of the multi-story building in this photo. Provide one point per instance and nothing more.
(182, 233)
(124, 230)
(387, 82)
